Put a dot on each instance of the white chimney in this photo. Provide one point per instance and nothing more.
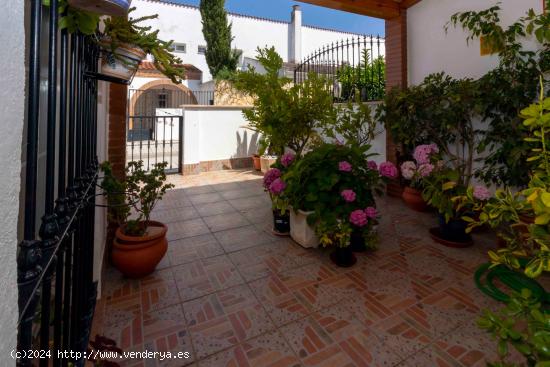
(296, 35)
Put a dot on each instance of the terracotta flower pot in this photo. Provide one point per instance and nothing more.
(413, 199)
(256, 162)
(136, 257)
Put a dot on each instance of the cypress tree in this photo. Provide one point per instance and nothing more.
(221, 59)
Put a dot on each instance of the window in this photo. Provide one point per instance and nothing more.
(179, 47)
(201, 50)
(162, 100)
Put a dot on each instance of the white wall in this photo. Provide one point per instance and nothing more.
(430, 50)
(216, 133)
(100, 235)
(12, 110)
(182, 23)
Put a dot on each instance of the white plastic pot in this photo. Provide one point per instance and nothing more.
(117, 8)
(113, 65)
(266, 161)
(300, 231)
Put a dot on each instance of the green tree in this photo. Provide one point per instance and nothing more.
(222, 60)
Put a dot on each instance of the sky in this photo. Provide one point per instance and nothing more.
(311, 14)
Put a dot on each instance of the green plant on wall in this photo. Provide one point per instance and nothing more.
(505, 90)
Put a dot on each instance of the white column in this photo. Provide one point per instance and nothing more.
(296, 34)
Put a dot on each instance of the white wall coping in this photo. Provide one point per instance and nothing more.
(213, 107)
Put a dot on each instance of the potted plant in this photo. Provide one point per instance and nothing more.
(287, 115)
(524, 323)
(413, 172)
(140, 243)
(126, 43)
(325, 187)
(275, 186)
(256, 162)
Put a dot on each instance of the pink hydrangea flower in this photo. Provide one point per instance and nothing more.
(372, 165)
(287, 159)
(371, 212)
(425, 169)
(348, 195)
(481, 192)
(388, 169)
(344, 166)
(271, 176)
(358, 218)
(408, 170)
(277, 186)
(423, 152)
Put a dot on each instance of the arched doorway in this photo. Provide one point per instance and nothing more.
(159, 93)
(154, 133)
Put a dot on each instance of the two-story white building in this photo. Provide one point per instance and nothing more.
(182, 23)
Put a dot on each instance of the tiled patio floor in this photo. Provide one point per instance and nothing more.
(232, 294)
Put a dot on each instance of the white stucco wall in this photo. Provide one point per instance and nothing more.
(102, 154)
(430, 50)
(12, 110)
(215, 133)
(182, 24)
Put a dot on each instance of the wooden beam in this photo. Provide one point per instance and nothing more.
(385, 9)
(405, 4)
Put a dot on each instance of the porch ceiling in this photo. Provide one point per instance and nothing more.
(385, 9)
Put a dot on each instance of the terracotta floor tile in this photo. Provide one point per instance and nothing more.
(440, 313)
(239, 193)
(260, 261)
(250, 202)
(227, 283)
(221, 222)
(205, 276)
(224, 319)
(168, 216)
(198, 190)
(216, 208)
(166, 331)
(240, 238)
(266, 350)
(188, 228)
(193, 248)
(401, 336)
(210, 197)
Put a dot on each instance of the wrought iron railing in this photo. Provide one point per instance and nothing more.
(155, 139)
(355, 68)
(55, 259)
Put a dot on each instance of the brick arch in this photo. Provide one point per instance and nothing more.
(159, 84)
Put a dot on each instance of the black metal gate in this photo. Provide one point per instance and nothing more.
(355, 68)
(57, 293)
(155, 139)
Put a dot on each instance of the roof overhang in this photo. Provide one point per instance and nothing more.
(385, 9)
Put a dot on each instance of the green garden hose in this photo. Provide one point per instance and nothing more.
(512, 279)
